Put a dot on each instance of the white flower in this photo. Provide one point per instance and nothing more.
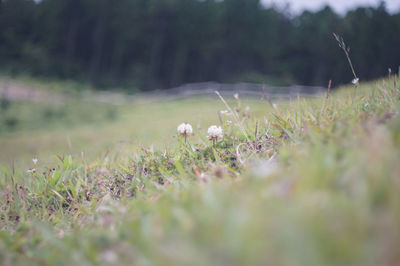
(275, 106)
(224, 112)
(185, 130)
(389, 70)
(355, 81)
(214, 133)
(229, 122)
(34, 160)
(31, 170)
(236, 96)
(247, 108)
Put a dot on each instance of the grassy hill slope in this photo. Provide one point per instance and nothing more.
(306, 182)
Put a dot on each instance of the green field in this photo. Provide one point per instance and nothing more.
(307, 182)
(44, 129)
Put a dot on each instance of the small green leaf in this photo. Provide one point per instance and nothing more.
(179, 167)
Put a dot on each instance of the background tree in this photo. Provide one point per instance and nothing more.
(148, 44)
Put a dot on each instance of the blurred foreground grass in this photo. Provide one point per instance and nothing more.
(309, 182)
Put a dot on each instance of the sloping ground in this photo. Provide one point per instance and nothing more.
(29, 89)
(316, 184)
(19, 91)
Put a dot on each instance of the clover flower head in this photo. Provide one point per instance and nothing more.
(185, 130)
(214, 133)
(31, 171)
(224, 112)
(34, 160)
(355, 81)
(236, 96)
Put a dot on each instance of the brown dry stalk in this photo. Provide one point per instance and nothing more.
(329, 88)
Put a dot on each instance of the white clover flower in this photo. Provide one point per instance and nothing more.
(34, 160)
(224, 112)
(214, 133)
(390, 70)
(236, 96)
(185, 130)
(31, 170)
(275, 106)
(355, 81)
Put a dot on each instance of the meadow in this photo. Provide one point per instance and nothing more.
(73, 126)
(295, 182)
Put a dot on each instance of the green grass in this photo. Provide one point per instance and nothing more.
(310, 182)
(43, 130)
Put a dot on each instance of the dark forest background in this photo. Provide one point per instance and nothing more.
(149, 44)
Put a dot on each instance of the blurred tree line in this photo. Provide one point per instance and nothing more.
(163, 43)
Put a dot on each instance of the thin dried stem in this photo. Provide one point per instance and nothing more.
(346, 50)
(329, 89)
